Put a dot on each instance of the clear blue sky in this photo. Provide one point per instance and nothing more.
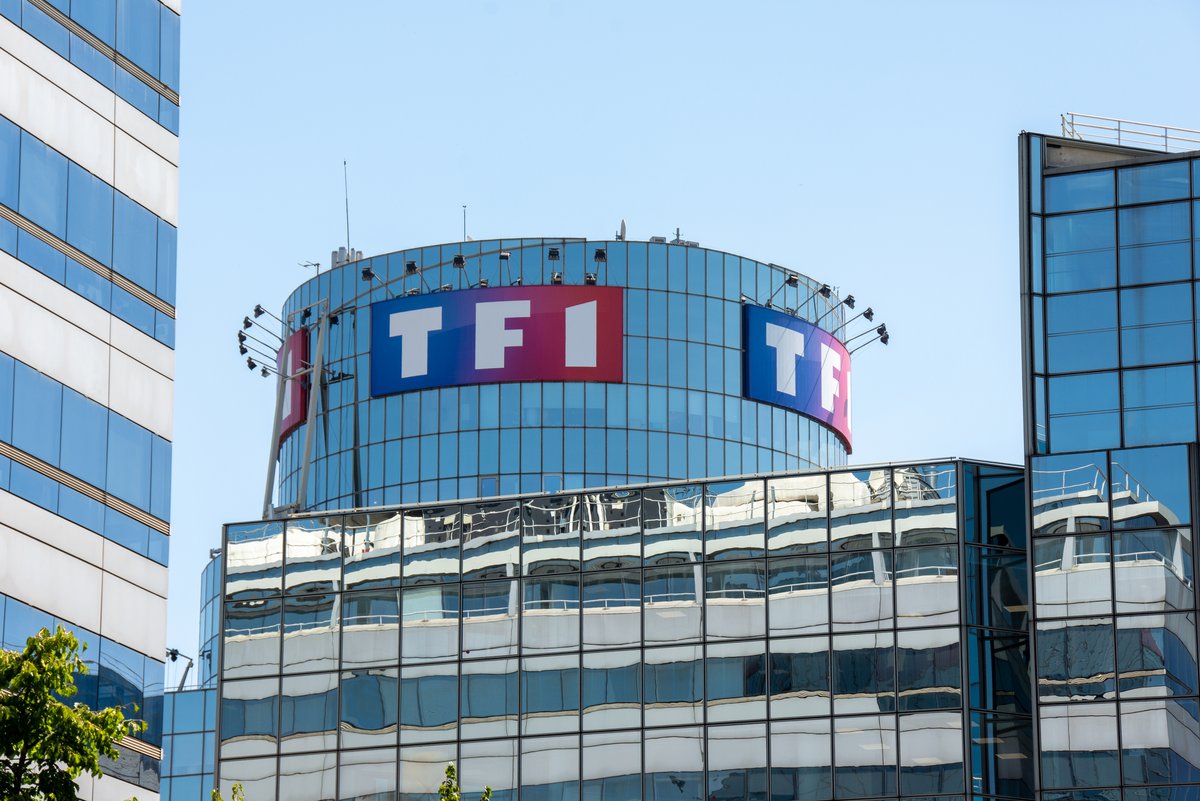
(869, 144)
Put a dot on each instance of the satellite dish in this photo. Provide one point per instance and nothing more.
(621, 236)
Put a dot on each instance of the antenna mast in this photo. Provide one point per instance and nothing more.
(346, 187)
(464, 222)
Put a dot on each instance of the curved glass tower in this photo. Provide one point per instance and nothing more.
(677, 409)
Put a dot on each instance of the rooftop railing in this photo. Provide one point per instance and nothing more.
(1129, 133)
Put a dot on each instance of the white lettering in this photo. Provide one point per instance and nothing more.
(830, 386)
(788, 345)
(581, 335)
(413, 328)
(491, 337)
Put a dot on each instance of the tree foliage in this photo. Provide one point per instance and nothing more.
(238, 794)
(44, 744)
(449, 790)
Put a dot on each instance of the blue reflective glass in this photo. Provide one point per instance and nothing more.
(39, 25)
(1078, 191)
(6, 396)
(168, 238)
(99, 17)
(37, 409)
(160, 480)
(1156, 325)
(40, 256)
(138, 32)
(43, 186)
(168, 47)
(1160, 405)
(1079, 251)
(129, 461)
(84, 437)
(89, 214)
(10, 162)
(85, 283)
(1084, 412)
(135, 236)
(1153, 182)
(1081, 332)
(1155, 243)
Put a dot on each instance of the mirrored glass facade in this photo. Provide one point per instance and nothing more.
(1110, 350)
(834, 634)
(678, 414)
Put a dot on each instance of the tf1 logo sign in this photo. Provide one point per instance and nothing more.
(792, 363)
(482, 336)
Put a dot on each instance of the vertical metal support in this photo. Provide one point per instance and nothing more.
(273, 455)
(314, 393)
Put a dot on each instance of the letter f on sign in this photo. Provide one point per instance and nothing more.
(491, 337)
(788, 345)
(413, 328)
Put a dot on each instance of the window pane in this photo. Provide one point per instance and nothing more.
(1077, 191)
(1159, 405)
(1152, 182)
(1079, 251)
(1081, 332)
(1083, 412)
(1156, 326)
(1155, 243)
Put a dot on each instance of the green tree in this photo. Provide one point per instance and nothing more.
(238, 794)
(44, 744)
(449, 790)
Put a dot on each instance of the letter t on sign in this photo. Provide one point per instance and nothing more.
(788, 345)
(413, 328)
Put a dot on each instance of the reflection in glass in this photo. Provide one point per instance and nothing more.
(422, 769)
(927, 586)
(1070, 493)
(612, 766)
(1150, 487)
(612, 606)
(800, 677)
(489, 618)
(488, 699)
(612, 689)
(550, 613)
(257, 777)
(733, 520)
(550, 694)
(737, 763)
(367, 775)
(251, 643)
(489, 764)
(801, 759)
(310, 633)
(1001, 754)
(673, 685)
(1153, 570)
(734, 600)
(310, 777)
(550, 537)
(550, 769)
(671, 522)
(796, 514)
(931, 753)
(861, 513)
(928, 669)
(672, 603)
(674, 765)
(313, 562)
(428, 703)
(799, 594)
(997, 588)
(429, 623)
(999, 671)
(253, 560)
(862, 590)
(431, 541)
(994, 506)
(1073, 576)
(1160, 741)
(370, 628)
(924, 497)
(371, 551)
(1075, 660)
(308, 716)
(612, 530)
(864, 673)
(491, 540)
(1156, 655)
(249, 711)
(737, 681)
(369, 707)
(864, 750)
(1079, 745)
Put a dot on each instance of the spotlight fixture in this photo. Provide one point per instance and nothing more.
(869, 314)
(410, 267)
(242, 350)
(589, 279)
(505, 255)
(552, 254)
(416, 290)
(304, 315)
(241, 337)
(333, 318)
(258, 310)
(556, 278)
(600, 256)
(743, 299)
(367, 273)
(264, 372)
(459, 261)
(884, 338)
(849, 301)
(246, 323)
(250, 363)
(483, 282)
(517, 281)
(824, 291)
(792, 280)
(446, 287)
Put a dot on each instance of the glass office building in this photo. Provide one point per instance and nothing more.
(829, 634)
(679, 412)
(1110, 377)
(88, 213)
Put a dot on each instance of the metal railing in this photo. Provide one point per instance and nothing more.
(1129, 133)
